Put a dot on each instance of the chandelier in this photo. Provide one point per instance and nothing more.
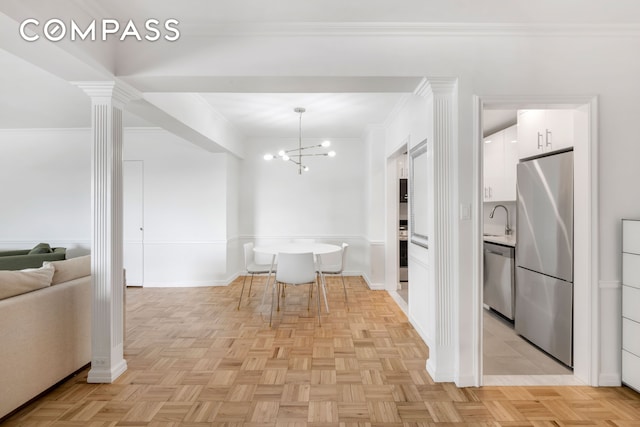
(295, 155)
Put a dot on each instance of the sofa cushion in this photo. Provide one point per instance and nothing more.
(69, 269)
(14, 283)
(41, 248)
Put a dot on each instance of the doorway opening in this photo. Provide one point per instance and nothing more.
(505, 357)
(398, 226)
(403, 226)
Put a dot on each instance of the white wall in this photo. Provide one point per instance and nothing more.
(410, 126)
(45, 191)
(185, 210)
(374, 140)
(46, 197)
(327, 203)
(234, 254)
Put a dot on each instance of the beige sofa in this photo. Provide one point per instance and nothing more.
(45, 334)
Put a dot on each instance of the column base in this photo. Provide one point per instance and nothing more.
(106, 376)
(439, 374)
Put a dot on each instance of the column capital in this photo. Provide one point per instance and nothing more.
(432, 86)
(115, 90)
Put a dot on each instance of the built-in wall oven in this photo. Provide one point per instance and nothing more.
(403, 237)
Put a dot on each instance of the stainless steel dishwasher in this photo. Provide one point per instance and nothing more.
(499, 278)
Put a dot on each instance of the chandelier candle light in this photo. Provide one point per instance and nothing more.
(295, 155)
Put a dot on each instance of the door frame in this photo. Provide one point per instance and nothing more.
(586, 367)
(392, 247)
(124, 208)
(392, 270)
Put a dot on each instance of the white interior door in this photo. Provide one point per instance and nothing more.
(133, 221)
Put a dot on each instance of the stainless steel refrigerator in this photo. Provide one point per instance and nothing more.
(544, 254)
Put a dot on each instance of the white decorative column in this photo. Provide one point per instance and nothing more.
(107, 103)
(441, 93)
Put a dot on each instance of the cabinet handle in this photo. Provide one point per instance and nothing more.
(549, 134)
(539, 141)
(490, 192)
(494, 253)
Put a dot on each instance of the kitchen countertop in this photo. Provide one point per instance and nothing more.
(505, 240)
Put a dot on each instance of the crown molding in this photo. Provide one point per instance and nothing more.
(420, 29)
(430, 86)
(127, 129)
(45, 130)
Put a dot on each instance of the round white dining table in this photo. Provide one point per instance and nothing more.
(295, 248)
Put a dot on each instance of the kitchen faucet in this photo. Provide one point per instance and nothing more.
(507, 229)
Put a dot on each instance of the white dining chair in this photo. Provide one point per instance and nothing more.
(334, 269)
(295, 269)
(305, 241)
(252, 268)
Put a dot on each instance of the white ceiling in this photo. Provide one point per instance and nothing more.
(253, 90)
(31, 98)
(34, 98)
(496, 120)
(226, 12)
(327, 114)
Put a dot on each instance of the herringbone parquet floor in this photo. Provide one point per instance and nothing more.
(194, 360)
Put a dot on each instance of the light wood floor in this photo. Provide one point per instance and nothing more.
(194, 360)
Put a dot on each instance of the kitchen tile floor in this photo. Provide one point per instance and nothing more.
(404, 291)
(506, 353)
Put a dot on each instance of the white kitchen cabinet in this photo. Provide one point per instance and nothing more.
(493, 165)
(544, 131)
(631, 303)
(511, 159)
(500, 161)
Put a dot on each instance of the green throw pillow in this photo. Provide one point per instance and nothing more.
(41, 248)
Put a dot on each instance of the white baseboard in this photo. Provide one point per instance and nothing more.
(401, 303)
(191, 284)
(466, 381)
(180, 284)
(419, 330)
(106, 375)
(373, 286)
(439, 377)
(609, 380)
